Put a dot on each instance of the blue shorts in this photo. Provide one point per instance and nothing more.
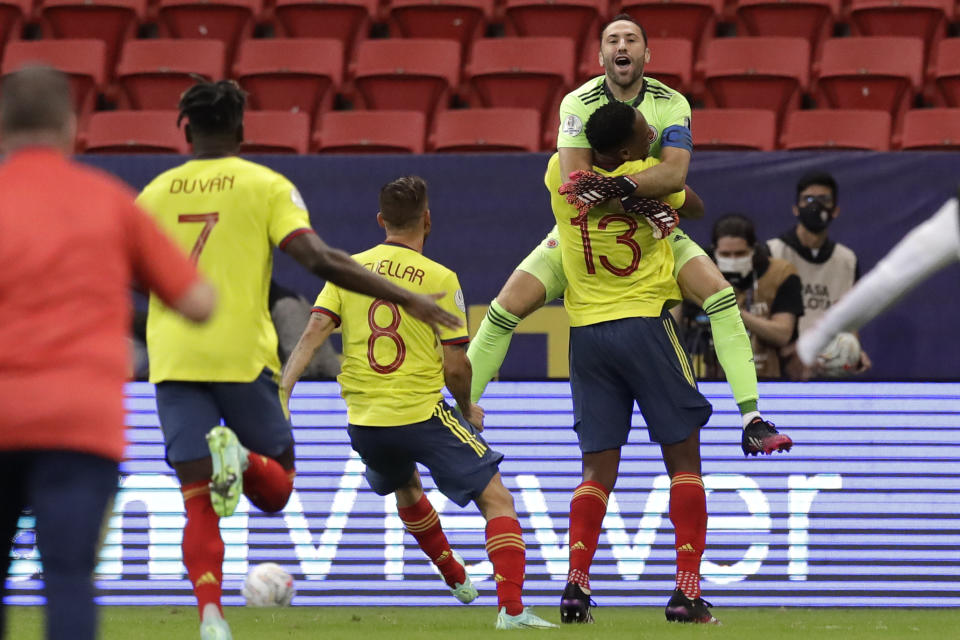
(188, 410)
(459, 459)
(613, 364)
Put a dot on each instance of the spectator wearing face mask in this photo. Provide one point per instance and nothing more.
(826, 268)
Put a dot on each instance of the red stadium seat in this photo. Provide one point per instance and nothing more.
(522, 73)
(693, 20)
(577, 19)
(407, 74)
(371, 132)
(345, 20)
(499, 130)
(833, 129)
(13, 15)
(870, 73)
(112, 21)
(947, 75)
(734, 129)
(226, 20)
(295, 74)
(671, 62)
(275, 132)
(460, 20)
(757, 73)
(85, 61)
(153, 73)
(809, 19)
(135, 132)
(924, 19)
(931, 130)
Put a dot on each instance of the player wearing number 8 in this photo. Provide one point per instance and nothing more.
(393, 370)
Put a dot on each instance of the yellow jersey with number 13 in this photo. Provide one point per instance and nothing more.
(615, 268)
(228, 214)
(392, 370)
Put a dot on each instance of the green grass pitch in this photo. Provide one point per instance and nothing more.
(462, 623)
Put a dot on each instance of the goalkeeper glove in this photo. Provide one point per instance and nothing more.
(659, 215)
(587, 189)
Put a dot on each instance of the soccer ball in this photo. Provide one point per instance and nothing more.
(268, 585)
(841, 356)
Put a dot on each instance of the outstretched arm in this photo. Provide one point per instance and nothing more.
(318, 329)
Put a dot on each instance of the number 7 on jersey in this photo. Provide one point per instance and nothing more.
(208, 220)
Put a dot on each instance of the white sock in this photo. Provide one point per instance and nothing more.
(924, 251)
(210, 612)
(750, 415)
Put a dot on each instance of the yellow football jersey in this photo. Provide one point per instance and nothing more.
(614, 266)
(228, 214)
(392, 370)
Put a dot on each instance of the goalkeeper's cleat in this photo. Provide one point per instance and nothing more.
(588, 189)
(466, 592)
(226, 483)
(575, 605)
(215, 629)
(760, 436)
(661, 217)
(523, 620)
(683, 609)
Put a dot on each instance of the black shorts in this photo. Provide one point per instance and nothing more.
(459, 459)
(613, 364)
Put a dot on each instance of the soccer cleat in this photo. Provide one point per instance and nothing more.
(575, 605)
(226, 483)
(683, 609)
(524, 620)
(215, 629)
(466, 592)
(760, 436)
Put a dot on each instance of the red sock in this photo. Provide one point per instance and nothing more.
(688, 513)
(266, 483)
(202, 546)
(423, 523)
(587, 509)
(508, 554)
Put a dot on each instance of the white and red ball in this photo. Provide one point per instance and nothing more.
(268, 585)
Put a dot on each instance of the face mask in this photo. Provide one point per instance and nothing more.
(737, 271)
(815, 217)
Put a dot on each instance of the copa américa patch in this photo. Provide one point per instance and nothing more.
(572, 125)
(458, 300)
(297, 199)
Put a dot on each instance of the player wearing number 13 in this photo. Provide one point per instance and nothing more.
(229, 214)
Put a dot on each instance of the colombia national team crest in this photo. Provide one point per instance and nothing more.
(551, 243)
(653, 133)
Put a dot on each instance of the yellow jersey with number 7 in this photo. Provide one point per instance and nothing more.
(228, 214)
(392, 370)
(614, 266)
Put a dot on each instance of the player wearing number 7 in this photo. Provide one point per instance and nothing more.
(229, 214)
(393, 370)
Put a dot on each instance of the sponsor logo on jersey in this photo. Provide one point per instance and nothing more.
(572, 125)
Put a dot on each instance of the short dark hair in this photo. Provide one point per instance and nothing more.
(820, 178)
(611, 126)
(213, 107)
(403, 201)
(35, 98)
(735, 225)
(628, 18)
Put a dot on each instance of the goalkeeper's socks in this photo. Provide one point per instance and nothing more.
(688, 513)
(587, 509)
(489, 347)
(423, 523)
(266, 483)
(508, 553)
(202, 546)
(732, 344)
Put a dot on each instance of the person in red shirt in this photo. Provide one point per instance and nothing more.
(72, 242)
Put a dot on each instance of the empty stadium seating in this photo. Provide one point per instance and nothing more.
(924, 19)
(734, 129)
(947, 74)
(290, 74)
(577, 19)
(931, 130)
(13, 15)
(111, 21)
(812, 20)
(693, 20)
(371, 132)
(837, 129)
(460, 20)
(153, 73)
(757, 73)
(226, 20)
(671, 62)
(345, 20)
(407, 74)
(135, 132)
(275, 132)
(526, 73)
(471, 130)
